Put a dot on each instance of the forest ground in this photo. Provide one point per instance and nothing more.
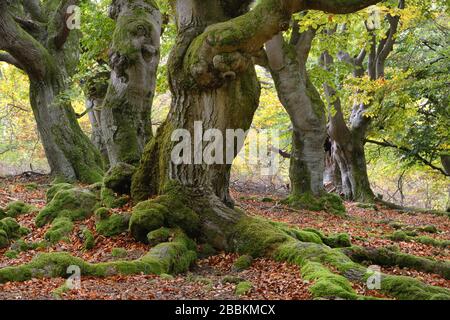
(270, 279)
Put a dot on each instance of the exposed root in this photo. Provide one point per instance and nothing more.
(390, 257)
(391, 205)
(168, 257)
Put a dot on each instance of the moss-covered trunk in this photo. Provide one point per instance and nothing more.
(70, 153)
(134, 58)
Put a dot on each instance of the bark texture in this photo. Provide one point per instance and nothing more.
(287, 61)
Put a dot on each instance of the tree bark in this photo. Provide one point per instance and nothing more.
(49, 57)
(306, 110)
(134, 58)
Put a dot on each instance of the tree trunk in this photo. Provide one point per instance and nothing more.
(43, 46)
(95, 90)
(306, 110)
(69, 152)
(213, 81)
(134, 58)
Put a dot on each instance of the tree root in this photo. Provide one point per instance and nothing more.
(391, 205)
(389, 257)
(168, 257)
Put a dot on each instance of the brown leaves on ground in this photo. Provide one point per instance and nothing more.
(270, 279)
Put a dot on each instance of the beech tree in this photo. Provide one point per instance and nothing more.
(36, 37)
(134, 58)
(212, 80)
(349, 137)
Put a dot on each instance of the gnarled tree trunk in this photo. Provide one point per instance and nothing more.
(39, 41)
(212, 79)
(134, 58)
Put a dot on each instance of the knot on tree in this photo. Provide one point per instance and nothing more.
(224, 67)
(228, 64)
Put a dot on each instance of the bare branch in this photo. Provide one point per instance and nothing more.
(416, 155)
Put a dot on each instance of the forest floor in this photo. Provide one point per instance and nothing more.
(270, 279)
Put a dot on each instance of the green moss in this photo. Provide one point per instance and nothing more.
(399, 236)
(328, 202)
(256, 237)
(168, 210)
(407, 288)
(22, 245)
(113, 225)
(9, 230)
(243, 288)
(31, 186)
(23, 231)
(428, 228)
(11, 254)
(102, 213)
(326, 283)
(166, 276)
(305, 236)
(4, 240)
(55, 188)
(58, 292)
(371, 206)
(61, 228)
(16, 208)
(110, 200)
(339, 240)
(88, 239)
(118, 178)
(170, 257)
(76, 204)
(390, 257)
(242, 263)
(159, 235)
(119, 253)
(2, 214)
(266, 199)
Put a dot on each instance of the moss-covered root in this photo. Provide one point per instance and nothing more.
(75, 204)
(314, 258)
(258, 237)
(168, 257)
(408, 236)
(9, 230)
(111, 224)
(116, 185)
(168, 210)
(17, 208)
(391, 257)
(329, 202)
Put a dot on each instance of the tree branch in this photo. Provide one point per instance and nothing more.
(387, 144)
(29, 54)
(60, 19)
(6, 57)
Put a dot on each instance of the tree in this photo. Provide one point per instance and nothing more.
(134, 58)
(212, 80)
(287, 61)
(348, 140)
(37, 38)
